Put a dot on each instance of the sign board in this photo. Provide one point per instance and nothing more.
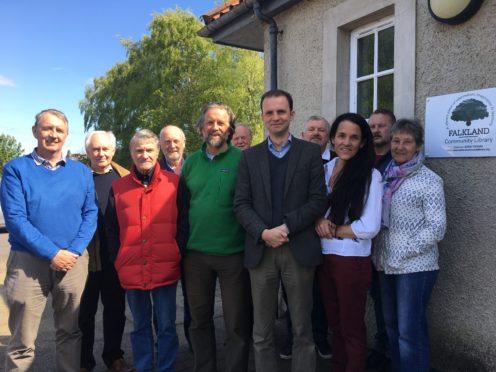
(461, 124)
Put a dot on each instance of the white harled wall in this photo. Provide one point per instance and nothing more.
(448, 59)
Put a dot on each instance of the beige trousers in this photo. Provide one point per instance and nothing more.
(28, 283)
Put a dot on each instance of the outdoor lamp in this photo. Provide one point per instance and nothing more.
(453, 11)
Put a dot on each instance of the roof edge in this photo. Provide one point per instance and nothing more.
(242, 8)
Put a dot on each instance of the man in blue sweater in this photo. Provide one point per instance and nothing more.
(51, 213)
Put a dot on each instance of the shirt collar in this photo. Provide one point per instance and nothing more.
(108, 169)
(38, 160)
(285, 146)
(219, 155)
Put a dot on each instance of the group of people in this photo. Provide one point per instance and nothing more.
(288, 212)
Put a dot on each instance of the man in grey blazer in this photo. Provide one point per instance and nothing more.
(280, 193)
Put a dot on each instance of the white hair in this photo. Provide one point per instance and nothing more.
(172, 126)
(144, 135)
(109, 134)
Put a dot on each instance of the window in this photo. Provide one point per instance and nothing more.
(372, 67)
(357, 17)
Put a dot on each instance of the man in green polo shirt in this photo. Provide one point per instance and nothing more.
(216, 245)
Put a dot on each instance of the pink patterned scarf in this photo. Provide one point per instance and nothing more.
(394, 175)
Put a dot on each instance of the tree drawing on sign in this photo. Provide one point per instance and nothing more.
(469, 110)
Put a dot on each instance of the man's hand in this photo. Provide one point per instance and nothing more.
(63, 260)
(325, 228)
(276, 236)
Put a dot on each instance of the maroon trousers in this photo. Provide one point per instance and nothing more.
(344, 282)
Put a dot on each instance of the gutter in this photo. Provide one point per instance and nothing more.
(273, 31)
(243, 8)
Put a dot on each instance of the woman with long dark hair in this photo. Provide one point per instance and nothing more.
(352, 220)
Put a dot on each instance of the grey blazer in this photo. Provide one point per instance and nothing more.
(304, 200)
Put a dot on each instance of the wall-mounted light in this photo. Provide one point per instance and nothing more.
(453, 11)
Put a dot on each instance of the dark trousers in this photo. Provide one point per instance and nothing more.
(201, 272)
(344, 282)
(319, 319)
(186, 315)
(104, 284)
(380, 338)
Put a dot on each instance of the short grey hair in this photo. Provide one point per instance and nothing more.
(409, 126)
(109, 134)
(144, 135)
(54, 112)
(221, 106)
(244, 125)
(172, 126)
(318, 118)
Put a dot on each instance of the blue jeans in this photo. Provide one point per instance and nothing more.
(404, 302)
(164, 307)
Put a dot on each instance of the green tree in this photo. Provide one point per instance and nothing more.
(9, 149)
(168, 77)
(469, 110)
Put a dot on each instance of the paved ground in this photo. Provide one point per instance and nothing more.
(45, 345)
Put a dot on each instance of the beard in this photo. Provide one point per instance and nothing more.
(380, 141)
(216, 141)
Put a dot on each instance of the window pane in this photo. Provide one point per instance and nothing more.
(365, 97)
(365, 58)
(386, 49)
(385, 92)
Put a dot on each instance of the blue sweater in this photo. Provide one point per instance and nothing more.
(47, 210)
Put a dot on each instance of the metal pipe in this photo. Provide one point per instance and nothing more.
(273, 31)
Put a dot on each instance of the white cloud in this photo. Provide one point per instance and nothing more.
(6, 82)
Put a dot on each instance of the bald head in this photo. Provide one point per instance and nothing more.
(242, 136)
(172, 143)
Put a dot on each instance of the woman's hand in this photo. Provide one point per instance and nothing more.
(325, 228)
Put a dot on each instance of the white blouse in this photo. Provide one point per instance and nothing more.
(364, 228)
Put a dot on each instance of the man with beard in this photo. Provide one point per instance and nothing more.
(215, 246)
(315, 130)
(380, 123)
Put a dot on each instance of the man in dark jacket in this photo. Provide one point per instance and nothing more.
(173, 143)
(280, 193)
(380, 123)
(102, 279)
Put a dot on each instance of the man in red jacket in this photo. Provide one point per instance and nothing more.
(147, 223)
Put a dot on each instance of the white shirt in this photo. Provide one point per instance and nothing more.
(326, 155)
(364, 228)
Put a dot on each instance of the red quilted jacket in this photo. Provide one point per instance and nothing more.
(148, 256)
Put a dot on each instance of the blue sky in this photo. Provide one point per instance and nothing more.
(50, 50)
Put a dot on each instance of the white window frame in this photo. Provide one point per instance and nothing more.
(339, 22)
(372, 28)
